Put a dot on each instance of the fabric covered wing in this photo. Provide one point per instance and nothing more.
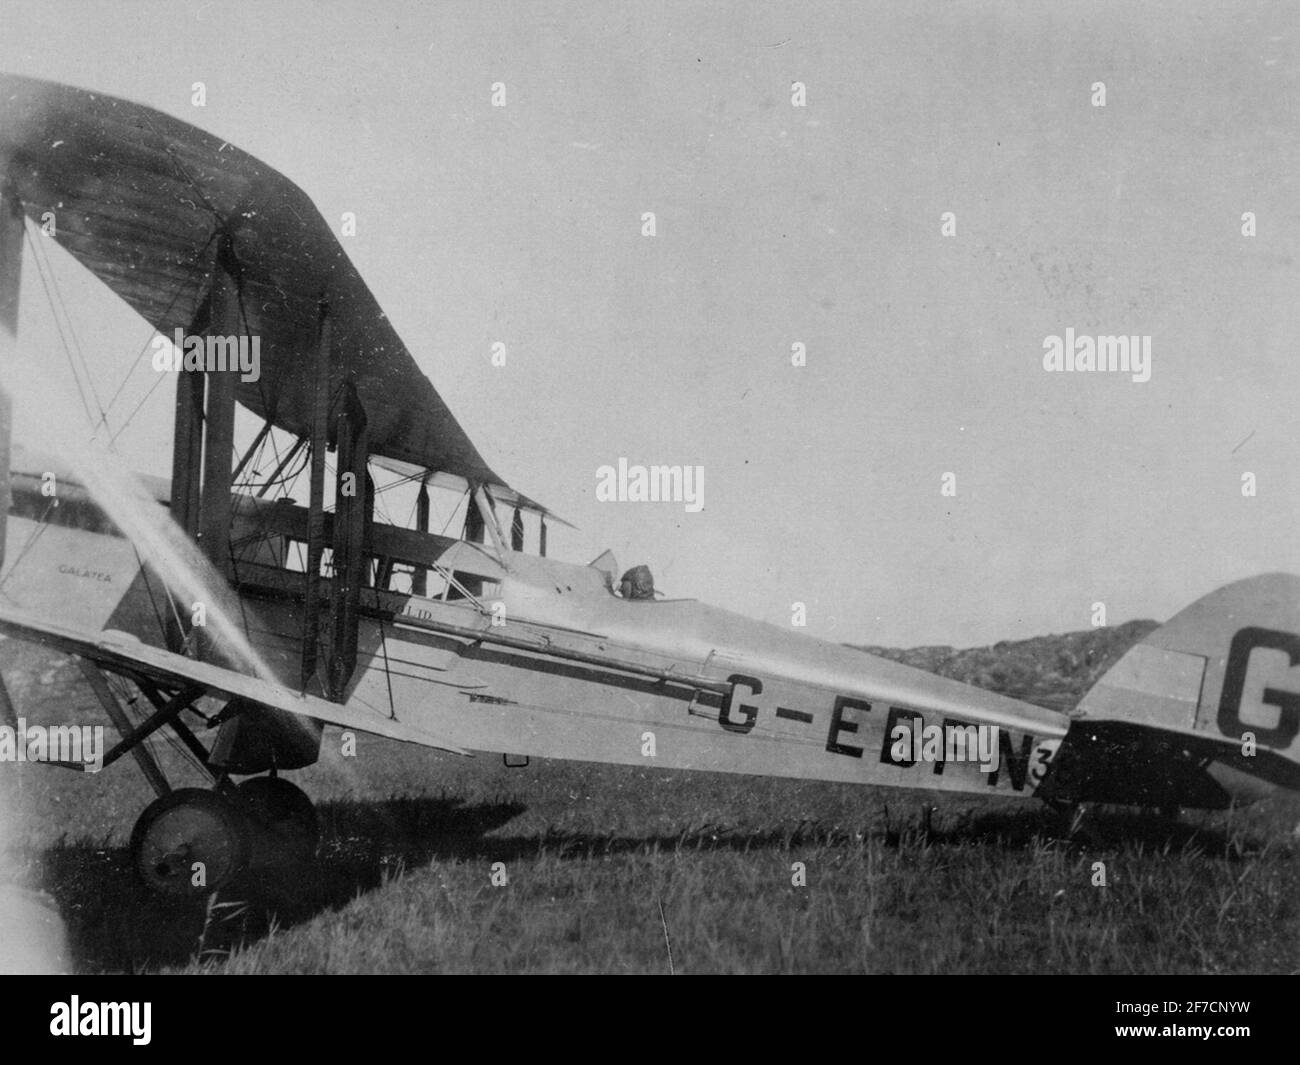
(119, 653)
(150, 204)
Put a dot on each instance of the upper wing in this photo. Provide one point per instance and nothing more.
(125, 654)
(148, 203)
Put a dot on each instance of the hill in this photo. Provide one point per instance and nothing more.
(1052, 671)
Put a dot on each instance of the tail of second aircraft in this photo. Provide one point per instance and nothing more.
(1205, 712)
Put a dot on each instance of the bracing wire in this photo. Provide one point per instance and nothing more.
(59, 326)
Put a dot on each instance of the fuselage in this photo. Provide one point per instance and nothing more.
(517, 654)
(544, 659)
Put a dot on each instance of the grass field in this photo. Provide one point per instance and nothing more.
(611, 869)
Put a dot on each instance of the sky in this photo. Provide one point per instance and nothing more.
(776, 225)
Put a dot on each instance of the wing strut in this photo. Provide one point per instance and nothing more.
(144, 757)
(223, 320)
(11, 264)
(316, 501)
(489, 516)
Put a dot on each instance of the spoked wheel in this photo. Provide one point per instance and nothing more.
(189, 843)
(284, 817)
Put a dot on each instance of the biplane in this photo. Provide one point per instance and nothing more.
(472, 642)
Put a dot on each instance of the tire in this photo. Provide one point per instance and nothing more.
(189, 843)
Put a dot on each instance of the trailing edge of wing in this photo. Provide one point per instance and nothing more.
(132, 656)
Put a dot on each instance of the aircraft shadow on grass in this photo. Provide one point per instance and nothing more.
(115, 925)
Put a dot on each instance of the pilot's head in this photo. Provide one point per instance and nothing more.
(637, 583)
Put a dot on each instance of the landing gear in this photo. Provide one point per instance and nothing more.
(192, 842)
(189, 843)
